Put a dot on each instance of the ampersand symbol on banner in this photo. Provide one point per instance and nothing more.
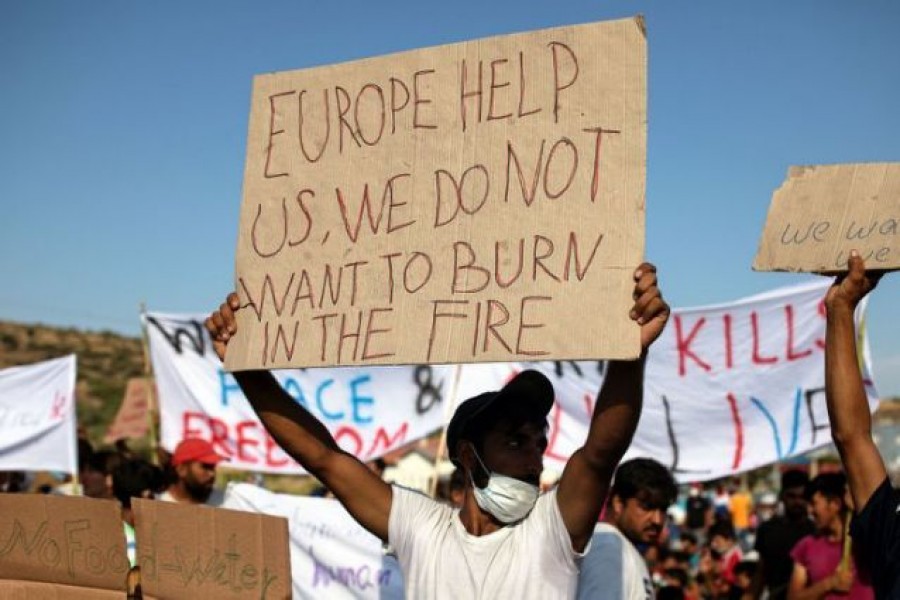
(428, 394)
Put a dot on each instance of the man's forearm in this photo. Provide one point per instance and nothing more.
(618, 409)
(846, 397)
(848, 408)
(585, 481)
(293, 427)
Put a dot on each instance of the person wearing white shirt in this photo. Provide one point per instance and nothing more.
(506, 541)
(641, 494)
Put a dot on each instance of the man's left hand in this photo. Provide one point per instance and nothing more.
(650, 311)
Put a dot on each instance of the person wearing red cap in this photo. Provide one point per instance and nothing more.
(507, 540)
(194, 462)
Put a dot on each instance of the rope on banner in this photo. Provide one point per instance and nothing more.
(151, 388)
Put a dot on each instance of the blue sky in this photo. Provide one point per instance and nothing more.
(123, 129)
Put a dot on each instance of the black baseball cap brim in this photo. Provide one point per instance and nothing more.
(528, 388)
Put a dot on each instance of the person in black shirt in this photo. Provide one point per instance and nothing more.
(698, 512)
(876, 526)
(777, 536)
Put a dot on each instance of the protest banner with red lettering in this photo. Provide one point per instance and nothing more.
(332, 556)
(37, 417)
(369, 411)
(461, 203)
(728, 388)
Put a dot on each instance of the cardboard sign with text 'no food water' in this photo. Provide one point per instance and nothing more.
(193, 551)
(61, 547)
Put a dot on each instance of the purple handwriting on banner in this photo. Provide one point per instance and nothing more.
(359, 577)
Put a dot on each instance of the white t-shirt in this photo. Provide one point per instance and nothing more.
(440, 559)
(613, 568)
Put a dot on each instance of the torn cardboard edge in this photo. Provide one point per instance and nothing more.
(820, 213)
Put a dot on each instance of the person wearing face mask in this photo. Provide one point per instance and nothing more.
(507, 540)
(635, 516)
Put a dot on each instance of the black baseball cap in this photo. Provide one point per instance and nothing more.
(529, 388)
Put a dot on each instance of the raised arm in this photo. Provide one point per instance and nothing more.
(848, 410)
(587, 476)
(365, 496)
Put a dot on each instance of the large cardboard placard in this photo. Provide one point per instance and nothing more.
(61, 547)
(821, 213)
(188, 551)
(481, 201)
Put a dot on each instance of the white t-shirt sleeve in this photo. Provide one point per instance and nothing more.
(550, 517)
(412, 515)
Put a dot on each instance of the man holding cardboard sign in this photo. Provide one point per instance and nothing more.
(463, 203)
(824, 219)
(506, 540)
(876, 526)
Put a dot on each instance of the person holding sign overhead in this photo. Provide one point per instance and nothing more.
(875, 529)
(507, 540)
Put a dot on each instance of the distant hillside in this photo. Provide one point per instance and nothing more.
(106, 361)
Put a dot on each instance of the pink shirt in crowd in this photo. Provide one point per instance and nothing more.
(820, 557)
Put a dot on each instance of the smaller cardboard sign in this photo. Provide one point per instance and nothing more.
(52, 547)
(188, 551)
(132, 420)
(821, 213)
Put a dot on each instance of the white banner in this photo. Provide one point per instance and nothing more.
(728, 388)
(369, 411)
(331, 555)
(37, 417)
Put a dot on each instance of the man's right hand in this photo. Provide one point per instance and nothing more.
(850, 288)
(222, 325)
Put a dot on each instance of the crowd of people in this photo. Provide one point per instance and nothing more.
(606, 529)
(715, 540)
(652, 544)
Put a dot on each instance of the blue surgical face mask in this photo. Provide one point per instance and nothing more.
(508, 499)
